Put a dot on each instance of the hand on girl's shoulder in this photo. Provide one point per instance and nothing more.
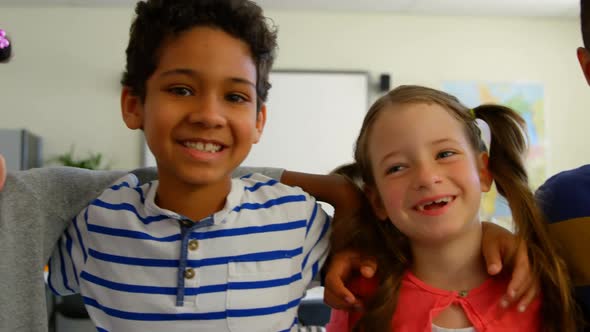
(363, 288)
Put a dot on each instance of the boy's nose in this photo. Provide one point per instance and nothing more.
(426, 177)
(208, 112)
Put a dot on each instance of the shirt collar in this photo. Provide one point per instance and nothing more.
(220, 217)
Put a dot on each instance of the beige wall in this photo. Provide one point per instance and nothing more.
(63, 81)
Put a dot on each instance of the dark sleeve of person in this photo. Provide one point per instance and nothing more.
(565, 200)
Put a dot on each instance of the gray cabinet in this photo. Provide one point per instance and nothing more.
(21, 149)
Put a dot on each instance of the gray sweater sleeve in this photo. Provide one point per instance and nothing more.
(44, 200)
(35, 208)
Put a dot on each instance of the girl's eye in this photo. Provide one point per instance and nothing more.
(394, 169)
(236, 98)
(181, 91)
(445, 154)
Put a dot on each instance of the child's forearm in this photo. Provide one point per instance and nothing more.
(333, 189)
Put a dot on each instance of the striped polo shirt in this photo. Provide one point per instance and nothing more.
(143, 268)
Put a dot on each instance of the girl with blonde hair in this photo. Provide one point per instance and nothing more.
(424, 165)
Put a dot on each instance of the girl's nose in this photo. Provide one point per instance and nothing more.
(426, 177)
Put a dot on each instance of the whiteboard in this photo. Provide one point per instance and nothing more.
(313, 119)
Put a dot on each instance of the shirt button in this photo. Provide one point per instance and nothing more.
(189, 273)
(463, 293)
(186, 223)
(193, 245)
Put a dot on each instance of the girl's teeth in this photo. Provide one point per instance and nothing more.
(441, 200)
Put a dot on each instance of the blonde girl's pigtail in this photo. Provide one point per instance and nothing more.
(507, 166)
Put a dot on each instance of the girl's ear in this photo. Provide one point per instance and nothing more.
(485, 176)
(131, 109)
(376, 202)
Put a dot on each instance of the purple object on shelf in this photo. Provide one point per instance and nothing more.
(4, 42)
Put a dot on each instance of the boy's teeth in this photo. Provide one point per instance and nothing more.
(206, 147)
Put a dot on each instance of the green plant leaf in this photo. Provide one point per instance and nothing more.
(93, 161)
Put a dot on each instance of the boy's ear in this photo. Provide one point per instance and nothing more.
(131, 109)
(376, 202)
(260, 122)
(485, 176)
(584, 59)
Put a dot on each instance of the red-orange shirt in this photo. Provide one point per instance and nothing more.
(420, 303)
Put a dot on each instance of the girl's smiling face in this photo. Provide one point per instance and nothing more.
(428, 177)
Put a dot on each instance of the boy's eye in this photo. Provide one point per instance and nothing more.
(236, 98)
(181, 91)
(445, 154)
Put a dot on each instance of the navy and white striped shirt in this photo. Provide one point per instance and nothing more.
(143, 268)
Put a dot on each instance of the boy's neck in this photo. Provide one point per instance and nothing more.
(456, 265)
(194, 202)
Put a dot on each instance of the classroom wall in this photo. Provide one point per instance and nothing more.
(63, 80)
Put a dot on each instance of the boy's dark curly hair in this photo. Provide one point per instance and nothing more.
(158, 19)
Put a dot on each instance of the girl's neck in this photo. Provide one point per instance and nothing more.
(193, 201)
(455, 265)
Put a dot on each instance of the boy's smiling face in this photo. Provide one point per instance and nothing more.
(199, 116)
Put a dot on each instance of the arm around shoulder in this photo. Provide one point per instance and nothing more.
(334, 189)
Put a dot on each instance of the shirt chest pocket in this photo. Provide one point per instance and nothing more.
(263, 295)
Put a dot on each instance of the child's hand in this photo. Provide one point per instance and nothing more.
(499, 244)
(342, 267)
(2, 172)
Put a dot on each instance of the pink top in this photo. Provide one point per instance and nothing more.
(419, 303)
